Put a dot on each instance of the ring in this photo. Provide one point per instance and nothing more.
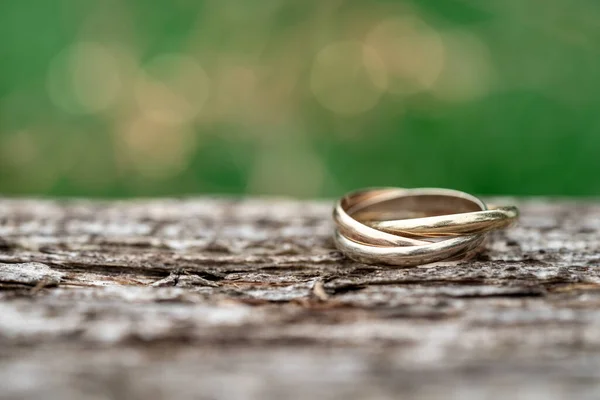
(409, 227)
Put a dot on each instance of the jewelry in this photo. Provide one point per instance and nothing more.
(409, 227)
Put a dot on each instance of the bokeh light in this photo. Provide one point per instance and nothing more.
(19, 148)
(155, 149)
(348, 77)
(468, 72)
(172, 88)
(85, 78)
(412, 51)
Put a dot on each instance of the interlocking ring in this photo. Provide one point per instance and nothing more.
(409, 227)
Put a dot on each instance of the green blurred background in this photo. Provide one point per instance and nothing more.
(305, 98)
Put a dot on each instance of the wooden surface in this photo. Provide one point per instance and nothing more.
(226, 299)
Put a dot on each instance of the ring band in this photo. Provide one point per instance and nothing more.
(450, 225)
(408, 227)
(407, 256)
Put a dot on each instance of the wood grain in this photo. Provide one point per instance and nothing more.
(215, 298)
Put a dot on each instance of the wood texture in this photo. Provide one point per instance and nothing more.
(247, 299)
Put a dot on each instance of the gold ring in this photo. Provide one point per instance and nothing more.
(409, 227)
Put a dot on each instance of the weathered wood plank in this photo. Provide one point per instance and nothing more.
(222, 298)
